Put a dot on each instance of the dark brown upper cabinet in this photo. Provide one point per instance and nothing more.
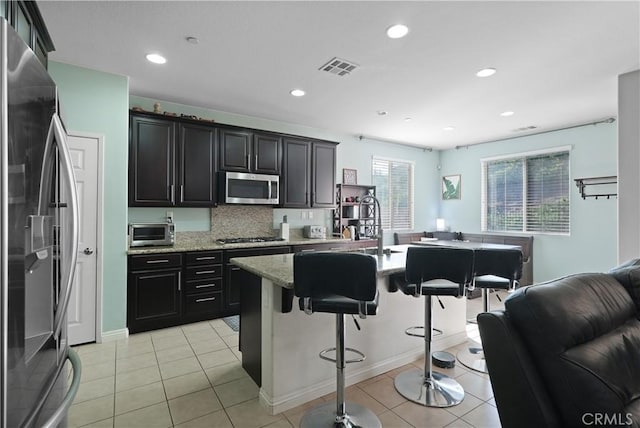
(171, 163)
(309, 171)
(151, 162)
(196, 177)
(244, 151)
(25, 18)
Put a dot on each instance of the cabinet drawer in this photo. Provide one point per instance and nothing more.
(154, 261)
(204, 302)
(204, 258)
(204, 271)
(203, 285)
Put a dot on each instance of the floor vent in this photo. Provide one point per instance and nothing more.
(339, 67)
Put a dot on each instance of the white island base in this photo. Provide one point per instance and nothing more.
(292, 371)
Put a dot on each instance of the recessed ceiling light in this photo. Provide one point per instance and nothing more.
(486, 72)
(192, 40)
(507, 113)
(297, 92)
(407, 119)
(397, 31)
(448, 128)
(382, 113)
(156, 58)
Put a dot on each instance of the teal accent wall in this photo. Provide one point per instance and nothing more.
(592, 244)
(352, 152)
(97, 102)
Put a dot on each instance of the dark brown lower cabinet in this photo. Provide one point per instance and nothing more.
(154, 292)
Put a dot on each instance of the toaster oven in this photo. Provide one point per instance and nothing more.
(151, 234)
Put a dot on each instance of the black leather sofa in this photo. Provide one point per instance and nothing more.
(566, 353)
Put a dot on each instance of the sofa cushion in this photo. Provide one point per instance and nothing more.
(628, 274)
(584, 335)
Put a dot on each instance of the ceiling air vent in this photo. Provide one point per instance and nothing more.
(525, 128)
(339, 67)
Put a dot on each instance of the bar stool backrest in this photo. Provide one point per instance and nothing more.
(429, 263)
(351, 275)
(503, 263)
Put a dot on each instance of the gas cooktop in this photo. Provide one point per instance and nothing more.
(245, 240)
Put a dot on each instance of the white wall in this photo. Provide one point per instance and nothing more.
(629, 166)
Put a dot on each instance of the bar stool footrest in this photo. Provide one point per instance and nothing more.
(324, 352)
(409, 331)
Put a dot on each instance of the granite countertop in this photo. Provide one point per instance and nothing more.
(279, 268)
(204, 241)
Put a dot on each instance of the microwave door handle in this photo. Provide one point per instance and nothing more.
(270, 188)
(69, 176)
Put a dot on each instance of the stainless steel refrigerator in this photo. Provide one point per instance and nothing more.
(39, 243)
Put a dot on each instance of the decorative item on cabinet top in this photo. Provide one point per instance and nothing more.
(609, 186)
(349, 176)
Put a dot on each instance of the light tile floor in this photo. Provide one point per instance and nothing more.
(191, 376)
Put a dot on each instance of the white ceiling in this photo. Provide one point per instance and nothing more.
(557, 62)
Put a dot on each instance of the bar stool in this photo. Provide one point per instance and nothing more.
(424, 266)
(338, 283)
(497, 269)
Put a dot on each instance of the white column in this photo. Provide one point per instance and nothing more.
(629, 166)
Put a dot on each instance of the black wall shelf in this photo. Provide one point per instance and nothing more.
(607, 186)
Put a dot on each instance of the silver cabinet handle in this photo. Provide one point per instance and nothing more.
(207, 258)
(235, 268)
(307, 250)
(181, 192)
(255, 165)
(68, 272)
(179, 281)
(205, 285)
(173, 195)
(57, 416)
(204, 272)
(157, 261)
(208, 299)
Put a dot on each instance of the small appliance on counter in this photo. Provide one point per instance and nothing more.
(151, 234)
(315, 232)
(284, 229)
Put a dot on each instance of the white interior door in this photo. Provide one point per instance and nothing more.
(82, 316)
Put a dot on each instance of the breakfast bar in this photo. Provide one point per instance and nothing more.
(291, 372)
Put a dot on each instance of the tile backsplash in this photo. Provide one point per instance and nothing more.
(237, 221)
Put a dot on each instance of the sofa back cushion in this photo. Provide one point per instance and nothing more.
(584, 336)
(628, 274)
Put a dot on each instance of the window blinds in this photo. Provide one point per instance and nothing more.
(394, 189)
(526, 194)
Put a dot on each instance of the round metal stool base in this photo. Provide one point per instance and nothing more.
(324, 416)
(472, 357)
(439, 391)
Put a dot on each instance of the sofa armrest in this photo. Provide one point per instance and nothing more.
(520, 395)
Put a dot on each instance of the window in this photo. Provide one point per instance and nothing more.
(529, 193)
(394, 189)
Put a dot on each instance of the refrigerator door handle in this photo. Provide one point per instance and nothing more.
(68, 273)
(61, 411)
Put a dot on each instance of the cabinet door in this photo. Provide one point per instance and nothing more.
(235, 278)
(196, 166)
(151, 162)
(153, 299)
(235, 150)
(296, 164)
(324, 175)
(266, 153)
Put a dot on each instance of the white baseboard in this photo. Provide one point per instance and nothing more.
(113, 335)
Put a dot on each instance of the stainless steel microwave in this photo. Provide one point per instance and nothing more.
(151, 234)
(247, 188)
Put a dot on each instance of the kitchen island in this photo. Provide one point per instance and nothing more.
(286, 350)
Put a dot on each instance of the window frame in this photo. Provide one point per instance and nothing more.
(410, 191)
(523, 156)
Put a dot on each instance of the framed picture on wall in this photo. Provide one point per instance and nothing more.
(451, 187)
(349, 176)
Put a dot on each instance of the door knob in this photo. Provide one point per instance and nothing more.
(88, 251)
